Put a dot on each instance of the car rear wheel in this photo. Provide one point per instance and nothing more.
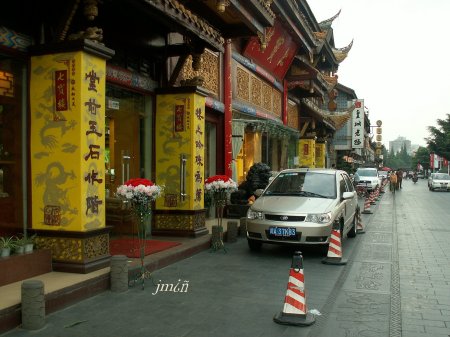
(254, 245)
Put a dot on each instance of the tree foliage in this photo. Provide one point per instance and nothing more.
(422, 156)
(401, 159)
(439, 140)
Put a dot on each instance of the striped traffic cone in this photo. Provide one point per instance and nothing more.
(294, 310)
(359, 225)
(334, 255)
(367, 209)
(372, 198)
(382, 188)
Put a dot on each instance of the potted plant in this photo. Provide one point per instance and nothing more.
(19, 244)
(6, 244)
(29, 243)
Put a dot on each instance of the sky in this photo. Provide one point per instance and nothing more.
(398, 62)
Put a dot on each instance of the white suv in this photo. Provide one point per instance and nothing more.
(368, 177)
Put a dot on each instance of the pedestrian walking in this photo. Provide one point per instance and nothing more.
(393, 182)
(399, 178)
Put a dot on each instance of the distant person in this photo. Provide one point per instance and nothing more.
(393, 181)
(399, 178)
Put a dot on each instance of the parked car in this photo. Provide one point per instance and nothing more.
(368, 177)
(430, 179)
(383, 174)
(300, 206)
(440, 181)
(421, 175)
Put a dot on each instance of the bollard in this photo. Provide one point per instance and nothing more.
(33, 305)
(232, 228)
(243, 227)
(119, 273)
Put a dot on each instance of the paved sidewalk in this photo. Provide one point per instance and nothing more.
(396, 283)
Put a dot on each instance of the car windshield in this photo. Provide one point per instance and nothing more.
(366, 173)
(441, 176)
(305, 184)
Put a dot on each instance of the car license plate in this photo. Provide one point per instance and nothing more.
(282, 231)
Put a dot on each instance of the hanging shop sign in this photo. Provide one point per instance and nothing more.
(279, 53)
(307, 152)
(320, 155)
(358, 124)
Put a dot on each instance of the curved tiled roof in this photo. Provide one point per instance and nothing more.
(339, 120)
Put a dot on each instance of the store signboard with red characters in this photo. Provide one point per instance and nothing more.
(279, 53)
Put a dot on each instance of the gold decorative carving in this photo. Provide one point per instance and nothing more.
(277, 102)
(267, 97)
(185, 222)
(75, 249)
(292, 116)
(96, 246)
(256, 86)
(173, 221)
(243, 84)
(208, 72)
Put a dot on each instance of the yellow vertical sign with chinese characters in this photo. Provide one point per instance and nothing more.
(307, 153)
(180, 153)
(67, 100)
(320, 155)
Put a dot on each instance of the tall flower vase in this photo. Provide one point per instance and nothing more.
(217, 189)
(141, 217)
(217, 239)
(140, 192)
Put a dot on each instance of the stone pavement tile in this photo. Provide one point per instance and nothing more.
(421, 334)
(356, 313)
(427, 315)
(424, 322)
(375, 252)
(412, 328)
(411, 315)
(369, 276)
(436, 331)
(445, 301)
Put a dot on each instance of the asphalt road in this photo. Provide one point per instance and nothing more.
(396, 283)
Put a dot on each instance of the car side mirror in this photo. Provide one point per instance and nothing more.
(348, 195)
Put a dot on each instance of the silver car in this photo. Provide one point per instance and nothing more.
(300, 206)
(440, 181)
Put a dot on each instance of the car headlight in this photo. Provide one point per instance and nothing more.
(319, 218)
(254, 215)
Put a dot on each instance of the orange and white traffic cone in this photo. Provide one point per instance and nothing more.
(294, 310)
(372, 198)
(334, 255)
(359, 225)
(367, 209)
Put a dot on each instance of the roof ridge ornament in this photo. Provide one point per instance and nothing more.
(326, 24)
(341, 53)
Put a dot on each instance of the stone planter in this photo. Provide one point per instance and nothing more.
(19, 249)
(28, 247)
(6, 251)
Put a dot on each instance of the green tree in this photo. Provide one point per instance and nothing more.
(439, 140)
(422, 156)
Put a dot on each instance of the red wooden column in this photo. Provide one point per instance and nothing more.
(227, 100)
(285, 103)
